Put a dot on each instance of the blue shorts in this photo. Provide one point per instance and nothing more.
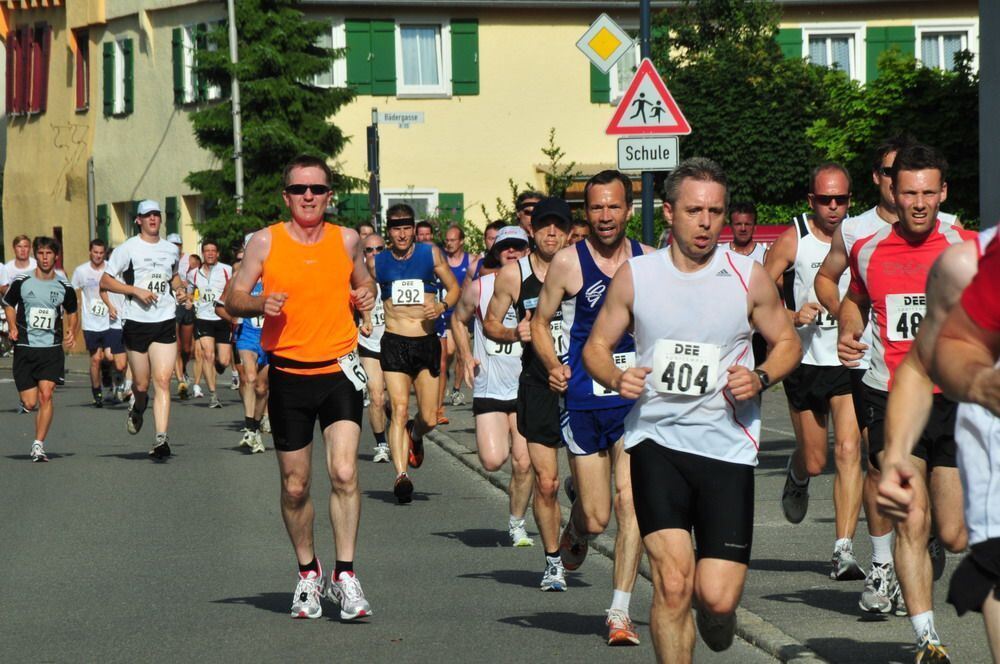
(248, 338)
(104, 339)
(591, 431)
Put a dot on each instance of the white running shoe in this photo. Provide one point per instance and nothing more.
(554, 577)
(308, 592)
(234, 382)
(38, 453)
(196, 392)
(875, 597)
(265, 424)
(518, 535)
(214, 403)
(257, 445)
(382, 454)
(346, 591)
(845, 565)
(457, 398)
(247, 440)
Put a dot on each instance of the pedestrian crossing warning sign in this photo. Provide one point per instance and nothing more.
(648, 107)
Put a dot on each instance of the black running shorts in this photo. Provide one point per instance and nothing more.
(538, 413)
(858, 391)
(220, 330)
(673, 489)
(811, 387)
(483, 405)
(369, 353)
(185, 315)
(976, 577)
(138, 336)
(296, 401)
(32, 365)
(411, 355)
(937, 443)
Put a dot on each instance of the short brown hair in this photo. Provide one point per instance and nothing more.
(307, 161)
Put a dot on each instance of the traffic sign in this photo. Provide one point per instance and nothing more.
(604, 43)
(647, 153)
(648, 107)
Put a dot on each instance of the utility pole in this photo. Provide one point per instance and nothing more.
(647, 176)
(237, 120)
(374, 197)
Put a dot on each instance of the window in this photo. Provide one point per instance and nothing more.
(27, 74)
(938, 43)
(837, 47)
(118, 106)
(187, 64)
(188, 87)
(82, 39)
(423, 201)
(423, 59)
(40, 46)
(622, 72)
(336, 38)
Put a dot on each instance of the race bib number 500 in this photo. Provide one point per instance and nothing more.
(684, 367)
(407, 291)
(903, 315)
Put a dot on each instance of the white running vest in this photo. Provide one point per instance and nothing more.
(977, 436)
(373, 342)
(499, 364)
(819, 338)
(690, 328)
(758, 254)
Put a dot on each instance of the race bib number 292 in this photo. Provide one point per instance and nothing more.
(407, 291)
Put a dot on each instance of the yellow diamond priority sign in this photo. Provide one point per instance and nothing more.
(604, 43)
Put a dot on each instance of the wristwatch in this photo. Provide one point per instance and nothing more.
(765, 380)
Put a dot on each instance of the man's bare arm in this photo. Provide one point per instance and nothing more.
(239, 302)
(459, 323)
(850, 350)
(827, 282)
(770, 319)
(613, 320)
(964, 361)
(550, 299)
(363, 291)
(506, 290)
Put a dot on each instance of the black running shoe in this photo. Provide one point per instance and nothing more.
(161, 450)
(133, 421)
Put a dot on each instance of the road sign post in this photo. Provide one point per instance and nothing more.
(646, 52)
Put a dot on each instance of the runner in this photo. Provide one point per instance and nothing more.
(370, 352)
(489, 237)
(116, 304)
(411, 352)
(965, 364)
(185, 320)
(898, 305)
(425, 232)
(42, 306)
(693, 434)
(212, 334)
(519, 285)
(459, 260)
(594, 418)
(819, 390)
(743, 222)
(312, 273)
(492, 371)
(22, 263)
(579, 231)
(524, 206)
(146, 266)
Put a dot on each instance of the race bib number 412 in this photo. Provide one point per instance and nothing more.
(407, 291)
(684, 367)
(903, 315)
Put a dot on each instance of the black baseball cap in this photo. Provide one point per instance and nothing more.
(551, 207)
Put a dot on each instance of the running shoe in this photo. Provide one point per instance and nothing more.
(896, 595)
(182, 391)
(441, 417)
(875, 596)
(794, 497)
(346, 591)
(247, 440)
(457, 398)
(257, 446)
(572, 547)
(367, 400)
(403, 489)
(133, 421)
(161, 450)
(381, 454)
(845, 565)
(518, 535)
(554, 577)
(214, 403)
(38, 453)
(308, 593)
(22, 408)
(931, 651)
(621, 631)
(936, 552)
(196, 392)
(234, 382)
(119, 394)
(716, 631)
(416, 447)
(265, 424)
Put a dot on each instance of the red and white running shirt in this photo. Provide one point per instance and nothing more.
(981, 300)
(892, 272)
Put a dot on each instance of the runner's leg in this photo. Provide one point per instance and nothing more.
(913, 565)
(43, 418)
(671, 560)
(848, 480)
(345, 499)
(545, 502)
(521, 476)
(398, 385)
(296, 506)
(628, 542)
(162, 358)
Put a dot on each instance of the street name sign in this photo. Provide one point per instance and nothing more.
(647, 153)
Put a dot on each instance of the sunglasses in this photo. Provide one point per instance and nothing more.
(839, 199)
(885, 171)
(375, 250)
(300, 189)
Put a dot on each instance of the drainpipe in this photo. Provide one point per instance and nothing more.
(91, 210)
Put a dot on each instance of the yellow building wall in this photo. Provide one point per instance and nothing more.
(880, 13)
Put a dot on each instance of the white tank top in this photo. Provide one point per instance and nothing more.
(690, 328)
(373, 342)
(758, 254)
(499, 364)
(819, 338)
(977, 435)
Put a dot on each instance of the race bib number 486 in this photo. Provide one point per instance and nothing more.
(903, 315)
(684, 367)
(407, 291)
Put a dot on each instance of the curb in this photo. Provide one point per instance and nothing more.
(749, 626)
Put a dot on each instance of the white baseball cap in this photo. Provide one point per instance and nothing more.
(175, 238)
(510, 234)
(147, 206)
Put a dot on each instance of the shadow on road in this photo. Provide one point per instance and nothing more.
(520, 577)
(275, 602)
(130, 456)
(478, 538)
(820, 567)
(389, 497)
(562, 622)
(50, 455)
(849, 650)
(841, 602)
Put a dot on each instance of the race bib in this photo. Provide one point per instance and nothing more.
(98, 309)
(903, 315)
(407, 291)
(158, 282)
(378, 315)
(510, 349)
(354, 371)
(623, 361)
(556, 327)
(684, 367)
(42, 318)
(257, 321)
(825, 321)
(208, 295)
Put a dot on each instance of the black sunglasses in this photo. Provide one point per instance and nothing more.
(299, 189)
(840, 199)
(885, 171)
(375, 250)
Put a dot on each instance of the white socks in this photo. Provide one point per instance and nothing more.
(882, 549)
(620, 600)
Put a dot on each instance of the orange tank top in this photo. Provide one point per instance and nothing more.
(316, 324)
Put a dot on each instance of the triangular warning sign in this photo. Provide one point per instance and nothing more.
(648, 107)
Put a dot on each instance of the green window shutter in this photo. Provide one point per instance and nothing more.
(177, 42)
(600, 86)
(359, 49)
(109, 78)
(200, 46)
(354, 207)
(129, 57)
(880, 40)
(790, 42)
(171, 215)
(465, 57)
(103, 222)
(384, 58)
(451, 206)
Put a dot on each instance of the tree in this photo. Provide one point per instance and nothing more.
(283, 114)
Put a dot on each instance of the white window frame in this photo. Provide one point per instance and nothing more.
(427, 194)
(213, 92)
(338, 33)
(969, 26)
(859, 63)
(618, 92)
(443, 89)
(118, 107)
(188, 48)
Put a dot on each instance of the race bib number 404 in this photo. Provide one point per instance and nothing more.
(623, 361)
(407, 291)
(903, 315)
(684, 367)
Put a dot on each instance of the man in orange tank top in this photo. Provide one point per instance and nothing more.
(313, 274)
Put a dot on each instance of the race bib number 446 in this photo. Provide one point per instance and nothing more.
(407, 291)
(158, 282)
(684, 367)
(903, 315)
